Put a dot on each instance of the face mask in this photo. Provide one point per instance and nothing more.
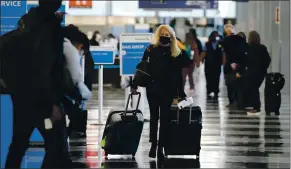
(81, 52)
(98, 37)
(217, 38)
(165, 40)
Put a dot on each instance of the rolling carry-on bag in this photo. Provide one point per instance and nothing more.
(273, 86)
(184, 131)
(123, 130)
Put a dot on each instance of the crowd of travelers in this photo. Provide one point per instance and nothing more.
(48, 82)
(170, 61)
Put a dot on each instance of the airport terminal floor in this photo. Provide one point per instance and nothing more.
(229, 139)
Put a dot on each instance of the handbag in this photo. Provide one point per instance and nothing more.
(142, 75)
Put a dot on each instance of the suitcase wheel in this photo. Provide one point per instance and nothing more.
(197, 155)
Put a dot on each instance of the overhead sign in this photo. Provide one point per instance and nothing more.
(277, 15)
(241, 0)
(164, 4)
(80, 4)
(132, 47)
(61, 9)
(12, 8)
(103, 55)
(11, 11)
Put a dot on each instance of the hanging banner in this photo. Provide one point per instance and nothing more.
(277, 15)
(132, 47)
(251, 23)
(176, 4)
(11, 11)
(80, 4)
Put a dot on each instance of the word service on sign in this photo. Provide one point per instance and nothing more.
(11, 11)
(132, 47)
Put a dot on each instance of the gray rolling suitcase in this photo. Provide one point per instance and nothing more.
(123, 130)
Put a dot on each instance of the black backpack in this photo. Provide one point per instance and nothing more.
(20, 54)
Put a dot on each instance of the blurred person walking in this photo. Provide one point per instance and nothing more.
(234, 54)
(96, 38)
(258, 61)
(37, 101)
(213, 62)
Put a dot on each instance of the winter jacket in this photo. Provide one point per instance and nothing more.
(166, 70)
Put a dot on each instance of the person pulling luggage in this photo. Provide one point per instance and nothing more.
(258, 61)
(165, 67)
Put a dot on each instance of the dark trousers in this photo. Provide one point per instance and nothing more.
(24, 122)
(212, 80)
(188, 71)
(231, 89)
(252, 93)
(235, 93)
(160, 104)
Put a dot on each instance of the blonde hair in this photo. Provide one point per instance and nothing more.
(175, 51)
(230, 26)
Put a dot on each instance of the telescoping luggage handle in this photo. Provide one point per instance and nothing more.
(190, 115)
(128, 100)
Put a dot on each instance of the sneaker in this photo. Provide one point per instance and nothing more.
(253, 112)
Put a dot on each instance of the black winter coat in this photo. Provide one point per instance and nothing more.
(257, 60)
(41, 78)
(167, 70)
(235, 49)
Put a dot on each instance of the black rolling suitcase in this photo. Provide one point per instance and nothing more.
(273, 86)
(184, 132)
(123, 130)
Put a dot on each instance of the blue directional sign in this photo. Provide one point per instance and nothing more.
(132, 47)
(103, 55)
(11, 11)
(164, 4)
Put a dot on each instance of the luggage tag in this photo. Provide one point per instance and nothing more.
(48, 124)
(67, 121)
(185, 103)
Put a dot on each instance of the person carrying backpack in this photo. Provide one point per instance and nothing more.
(31, 62)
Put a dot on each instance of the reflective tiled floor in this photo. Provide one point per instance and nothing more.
(230, 139)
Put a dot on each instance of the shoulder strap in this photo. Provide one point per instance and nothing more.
(149, 49)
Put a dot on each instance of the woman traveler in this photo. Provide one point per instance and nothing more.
(258, 60)
(213, 62)
(95, 39)
(243, 35)
(166, 63)
(190, 45)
